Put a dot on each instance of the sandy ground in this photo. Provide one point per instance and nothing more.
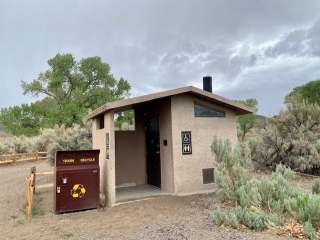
(165, 218)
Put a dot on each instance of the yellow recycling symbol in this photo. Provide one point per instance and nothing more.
(78, 191)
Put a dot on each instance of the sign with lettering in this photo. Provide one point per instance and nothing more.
(77, 157)
(186, 142)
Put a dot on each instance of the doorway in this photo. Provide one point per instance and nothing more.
(153, 152)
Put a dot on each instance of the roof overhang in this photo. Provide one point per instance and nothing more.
(130, 102)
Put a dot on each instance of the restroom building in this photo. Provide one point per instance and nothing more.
(167, 149)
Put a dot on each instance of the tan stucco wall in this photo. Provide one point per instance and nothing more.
(188, 168)
(130, 155)
(107, 166)
(180, 174)
(98, 142)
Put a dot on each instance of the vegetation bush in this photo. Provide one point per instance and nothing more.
(291, 138)
(74, 138)
(309, 231)
(259, 203)
(306, 208)
(50, 140)
(316, 186)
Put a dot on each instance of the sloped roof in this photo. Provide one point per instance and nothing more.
(239, 108)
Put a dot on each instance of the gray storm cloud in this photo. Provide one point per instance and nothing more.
(259, 49)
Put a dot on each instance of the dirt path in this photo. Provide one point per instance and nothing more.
(165, 218)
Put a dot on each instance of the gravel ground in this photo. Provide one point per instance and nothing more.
(165, 218)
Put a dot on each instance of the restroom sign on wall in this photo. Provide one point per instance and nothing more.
(186, 142)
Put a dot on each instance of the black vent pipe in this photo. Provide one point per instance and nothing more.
(207, 83)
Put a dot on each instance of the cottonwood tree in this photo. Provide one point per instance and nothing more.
(309, 92)
(70, 89)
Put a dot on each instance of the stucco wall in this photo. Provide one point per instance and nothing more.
(188, 168)
(130, 155)
(107, 166)
(99, 142)
(167, 184)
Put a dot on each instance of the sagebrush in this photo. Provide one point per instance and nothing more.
(259, 203)
(50, 140)
(291, 138)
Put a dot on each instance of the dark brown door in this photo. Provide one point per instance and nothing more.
(153, 152)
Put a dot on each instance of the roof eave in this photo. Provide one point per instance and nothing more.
(240, 109)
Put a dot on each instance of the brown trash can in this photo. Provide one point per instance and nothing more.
(76, 180)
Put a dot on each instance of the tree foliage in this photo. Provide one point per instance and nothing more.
(23, 120)
(70, 89)
(309, 92)
(246, 122)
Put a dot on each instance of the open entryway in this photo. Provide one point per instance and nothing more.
(138, 165)
(153, 152)
(140, 172)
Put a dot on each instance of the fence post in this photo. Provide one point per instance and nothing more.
(33, 183)
(28, 199)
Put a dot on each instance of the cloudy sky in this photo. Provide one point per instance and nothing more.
(253, 49)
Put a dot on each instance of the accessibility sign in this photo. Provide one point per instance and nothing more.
(186, 142)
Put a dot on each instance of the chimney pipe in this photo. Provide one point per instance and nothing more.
(207, 83)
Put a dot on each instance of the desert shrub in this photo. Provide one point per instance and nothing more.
(316, 186)
(309, 231)
(258, 203)
(4, 147)
(275, 191)
(291, 138)
(74, 138)
(233, 168)
(306, 208)
(20, 144)
(253, 219)
(228, 218)
(50, 140)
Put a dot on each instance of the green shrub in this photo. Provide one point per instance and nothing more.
(252, 218)
(257, 221)
(233, 168)
(74, 138)
(227, 218)
(309, 231)
(218, 217)
(291, 138)
(274, 192)
(263, 202)
(50, 140)
(247, 195)
(316, 186)
(306, 208)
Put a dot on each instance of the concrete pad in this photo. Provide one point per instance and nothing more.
(125, 194)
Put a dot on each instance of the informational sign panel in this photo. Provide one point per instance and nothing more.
(186, 142)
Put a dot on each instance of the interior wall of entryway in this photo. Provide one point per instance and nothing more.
(130, 161)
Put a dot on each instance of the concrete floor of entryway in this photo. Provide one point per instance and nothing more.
(125, 194)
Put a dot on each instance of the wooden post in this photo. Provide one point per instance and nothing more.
(28, 196)
(33, 175)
